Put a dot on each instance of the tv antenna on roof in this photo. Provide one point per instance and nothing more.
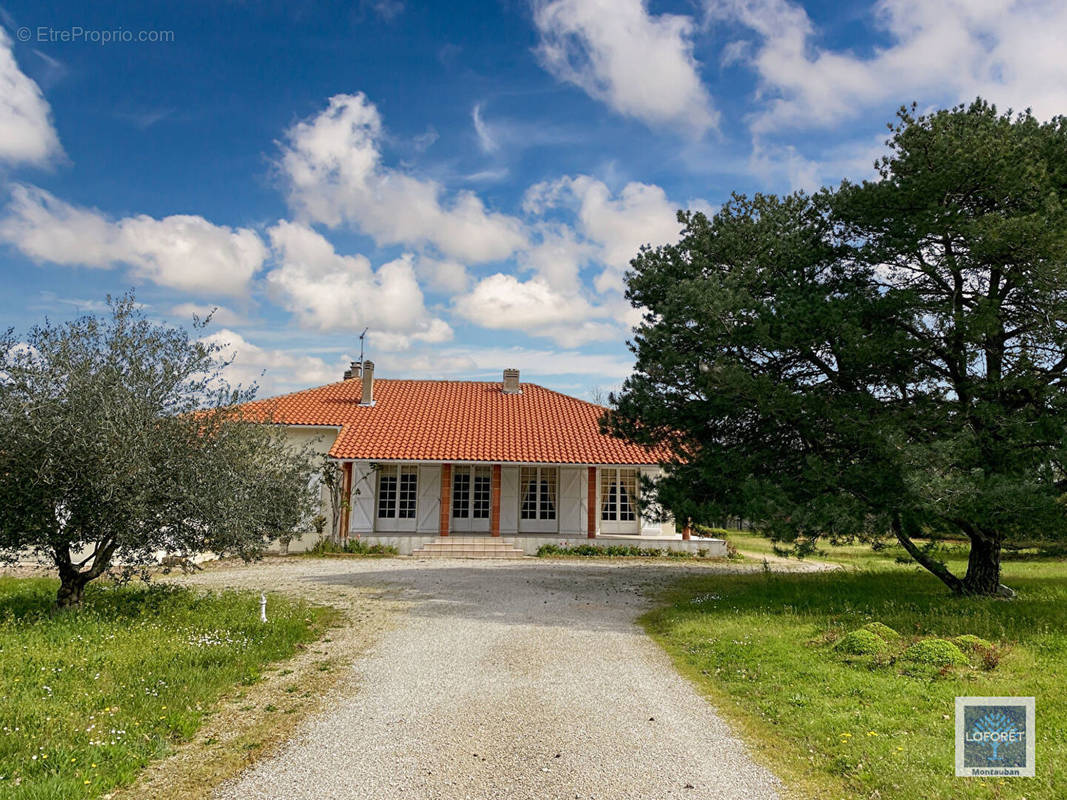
(361, 344)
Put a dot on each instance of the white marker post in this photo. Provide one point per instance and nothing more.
(262, 607)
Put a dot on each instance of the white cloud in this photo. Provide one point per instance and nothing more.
(485, 136)
(558, 256)
(503, 302)
(1009, 51)
(26, 131)
(331, 292)
(443, 275)
(332, 166)
(488, 363)
(639, 64)
(618, 225)
(181, 251)
(274, 371)
(608, 233)
(776, 164)
(220, 315)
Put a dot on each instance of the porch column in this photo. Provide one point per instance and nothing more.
(446, 498)
(346, 498)
(591, 505)
(494, 509)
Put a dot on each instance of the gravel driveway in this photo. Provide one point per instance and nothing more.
(523, 679)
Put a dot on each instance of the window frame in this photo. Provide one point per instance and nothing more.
(396, 497)
(619, 500)
(538, 497)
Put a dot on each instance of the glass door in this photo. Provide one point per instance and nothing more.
(471, 493)
(618, 501)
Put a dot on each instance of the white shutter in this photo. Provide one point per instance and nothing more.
(429, 500)
(570, 500)
(650, 527)
(361, 517)
(509, 499)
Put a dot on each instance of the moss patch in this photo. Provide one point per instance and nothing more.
(935, 653)
(882, 631)
(861, 643)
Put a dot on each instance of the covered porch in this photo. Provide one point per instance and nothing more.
(532, 503)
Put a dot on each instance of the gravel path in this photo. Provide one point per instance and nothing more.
(515, 680)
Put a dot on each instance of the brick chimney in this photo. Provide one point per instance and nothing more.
(511, 382)
(354, 370)
(368, 384)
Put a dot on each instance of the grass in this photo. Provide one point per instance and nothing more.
(93, 695)
(877, 724)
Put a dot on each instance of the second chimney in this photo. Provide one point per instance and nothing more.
(353, 370)
(511, 382)
(368, 384)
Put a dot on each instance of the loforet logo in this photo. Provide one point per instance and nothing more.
(995, 736)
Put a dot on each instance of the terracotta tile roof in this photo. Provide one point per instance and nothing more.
(454, 421)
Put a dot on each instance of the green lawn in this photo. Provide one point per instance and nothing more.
(763, 648)
(91, 696)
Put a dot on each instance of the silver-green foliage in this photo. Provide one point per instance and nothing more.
(119, 439)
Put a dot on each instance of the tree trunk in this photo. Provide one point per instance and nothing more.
(71, 587)
(983, 569)
(935, 567)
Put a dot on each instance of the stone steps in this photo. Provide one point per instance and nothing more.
(469, 547)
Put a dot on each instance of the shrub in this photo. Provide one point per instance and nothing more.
(935, 652)
(352, 547)
(715, 533)
(861, 643)
(613, 551)
(882, 631)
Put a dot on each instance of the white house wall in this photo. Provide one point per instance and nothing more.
(320, 440)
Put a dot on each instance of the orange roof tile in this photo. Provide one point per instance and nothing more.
(419, 420)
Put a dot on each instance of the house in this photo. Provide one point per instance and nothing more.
(427, 459)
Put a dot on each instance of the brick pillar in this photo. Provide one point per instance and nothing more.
(687, 529)
(591, 505)
(346, 498)
(494, 509)
(446, 499)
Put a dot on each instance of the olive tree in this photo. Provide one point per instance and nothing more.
(119, 441)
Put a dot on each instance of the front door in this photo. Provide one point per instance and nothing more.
(471, 491)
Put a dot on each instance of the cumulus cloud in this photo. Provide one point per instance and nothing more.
(26, 131)
(1009, 51)
(639, 64)
(442, 274)
(181, 251)
(332, 292)
(503, 302)
(333, 171)
(273, 370)
(617, 225)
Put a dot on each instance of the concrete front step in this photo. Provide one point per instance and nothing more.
(469, 547)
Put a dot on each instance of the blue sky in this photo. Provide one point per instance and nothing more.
(468, 180)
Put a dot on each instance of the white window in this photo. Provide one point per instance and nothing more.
(397, 491)
(618, 495)
(539, 488)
